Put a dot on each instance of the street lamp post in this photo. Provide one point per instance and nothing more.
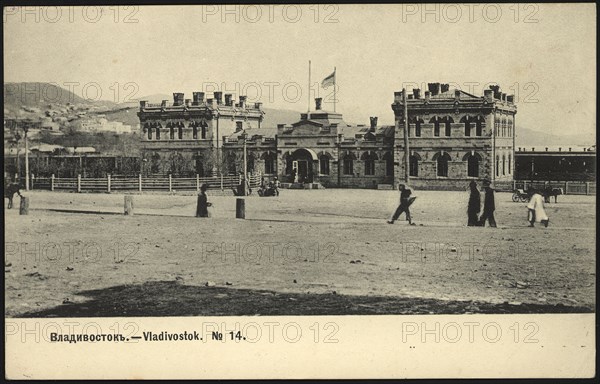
(244, 136)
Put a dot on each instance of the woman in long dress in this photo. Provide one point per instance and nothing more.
(203, 204)
(536, 211)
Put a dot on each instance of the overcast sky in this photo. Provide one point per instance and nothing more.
(545, 54)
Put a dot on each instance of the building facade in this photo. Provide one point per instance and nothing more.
(185, 137)
(454, 137)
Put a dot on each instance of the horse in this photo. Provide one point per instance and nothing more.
(9, 191)
(549, 192)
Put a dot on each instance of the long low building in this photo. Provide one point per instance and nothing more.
(454, 137)
(556, 164)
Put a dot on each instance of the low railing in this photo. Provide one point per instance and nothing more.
(113, 183)
(568, 187)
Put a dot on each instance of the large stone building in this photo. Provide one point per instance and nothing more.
(185, 137)
(454, 137)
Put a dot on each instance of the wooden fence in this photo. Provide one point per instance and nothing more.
(568, 187)
(114, 183)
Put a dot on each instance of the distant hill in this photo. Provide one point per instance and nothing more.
(530, 138)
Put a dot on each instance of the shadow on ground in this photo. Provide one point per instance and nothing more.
(168, 298)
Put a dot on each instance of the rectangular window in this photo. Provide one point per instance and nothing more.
(369, 167)
(348, 166)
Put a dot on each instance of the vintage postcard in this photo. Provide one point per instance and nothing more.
(275, 191)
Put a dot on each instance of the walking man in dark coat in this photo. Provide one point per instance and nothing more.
(474, 206)
(405, 202)
(489, 205)
(203, 204)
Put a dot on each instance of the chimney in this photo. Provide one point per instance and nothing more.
(445, 88)
(496, 89)
(510, 98)
(242, 101)
(503, 96)
(218, 96)
(457, 94)
(488, 95)
(410, 97)
(188, 102)
(228, 100)
(417, 93)
(373, 123)
(434, 88)
(318, 101)
(427, 95)
(546, 149)
(559, 149)
(569, 149)
(143, 104)
(177, 98)
(209, 101)
(532, 149)
(258, 105)
(398, 96)
(198, 98)
(164, 103)
(280, 126)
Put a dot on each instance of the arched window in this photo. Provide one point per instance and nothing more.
(510, 127)
(479, 126)
(509, 163)
(467, 122)
(324, 165)
(158, 127)
(149, 133)
(171, 133)
(199, 166)
(369, 159)
(503, 165)
(442, 163)
(203, 134)
(436, 125)
(417, 122)
(389, 164)
(194, 131)
(448, 129)
(473, 160)
(413, 164)
(180, 132)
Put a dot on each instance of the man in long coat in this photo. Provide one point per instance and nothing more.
(489, 205)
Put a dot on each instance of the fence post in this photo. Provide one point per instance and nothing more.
(52, 182)
(566, 187)
(140, 182)
(170, 183)
(32, 179)
(587, 187)
(240, 208)
(24, 205)
(525, 185)
(78, 183)
(108, 182)
(128, 205)
(17, 178)
(221, 182)
(197, 183)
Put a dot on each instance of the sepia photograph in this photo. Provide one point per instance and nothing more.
(363, 187)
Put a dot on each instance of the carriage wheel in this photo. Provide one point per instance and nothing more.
(523, 199)
(515, 197)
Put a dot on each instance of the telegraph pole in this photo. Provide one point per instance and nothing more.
(26, 160)
(406, 148)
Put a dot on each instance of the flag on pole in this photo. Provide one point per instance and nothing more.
(329, 80)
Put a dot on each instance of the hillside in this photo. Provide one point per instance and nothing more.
(530, 138)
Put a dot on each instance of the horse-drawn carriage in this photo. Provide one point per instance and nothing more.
(523, 196)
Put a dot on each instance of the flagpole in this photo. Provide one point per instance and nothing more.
(308, 88)
(334, 88)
